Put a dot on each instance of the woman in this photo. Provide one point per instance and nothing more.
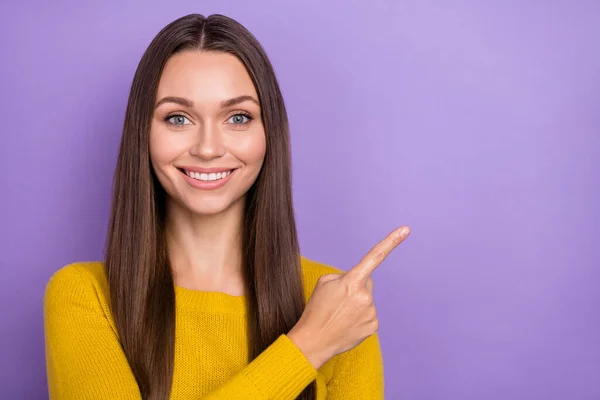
(202, 294)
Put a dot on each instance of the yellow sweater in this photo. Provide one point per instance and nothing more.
(85, 360)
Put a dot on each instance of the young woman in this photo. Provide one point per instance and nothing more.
(203, 293)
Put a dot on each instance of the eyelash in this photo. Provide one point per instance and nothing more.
(245, 114)
(178, 114)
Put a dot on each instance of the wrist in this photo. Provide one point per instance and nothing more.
(309, 346)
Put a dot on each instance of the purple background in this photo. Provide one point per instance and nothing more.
(477, 125)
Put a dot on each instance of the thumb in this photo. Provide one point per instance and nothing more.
(328, 277)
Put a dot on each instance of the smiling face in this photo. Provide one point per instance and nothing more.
(207, 141)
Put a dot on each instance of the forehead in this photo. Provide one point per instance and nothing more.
(205, 77)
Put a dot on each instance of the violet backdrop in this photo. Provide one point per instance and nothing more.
(476, 123)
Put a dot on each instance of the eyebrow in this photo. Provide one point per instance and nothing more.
(189, 104)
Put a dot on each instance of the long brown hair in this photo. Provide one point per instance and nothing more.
(141, 286)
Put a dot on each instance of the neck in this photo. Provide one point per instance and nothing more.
(205, 251)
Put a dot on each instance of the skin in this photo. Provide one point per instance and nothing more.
(341, 313)
(204, 226)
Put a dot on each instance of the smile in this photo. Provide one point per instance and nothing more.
(207, 180)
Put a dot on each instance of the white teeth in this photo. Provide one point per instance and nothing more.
(208, 177)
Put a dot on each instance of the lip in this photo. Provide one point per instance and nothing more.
(204, 170)
(207, 185)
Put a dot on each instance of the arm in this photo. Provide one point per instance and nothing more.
(358, 373)
(280, 372)
(85, 360)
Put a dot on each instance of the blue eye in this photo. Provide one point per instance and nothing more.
(178, 120)
(239, 119)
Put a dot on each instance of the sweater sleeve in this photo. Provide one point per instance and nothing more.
(358, 373)
(85, 360)
(280, 372)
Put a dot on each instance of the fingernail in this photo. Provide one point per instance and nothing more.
(405, 231)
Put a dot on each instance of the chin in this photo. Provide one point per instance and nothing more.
(206, 210)
(209, 206)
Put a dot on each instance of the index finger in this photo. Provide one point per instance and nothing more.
(377, 254)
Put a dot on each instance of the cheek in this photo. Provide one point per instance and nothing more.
(164, 148)
(251, 150)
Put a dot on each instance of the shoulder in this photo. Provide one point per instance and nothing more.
(78, 275)
(81, 283)
(312, 271)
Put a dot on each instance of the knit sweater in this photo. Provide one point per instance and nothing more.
(85, 360)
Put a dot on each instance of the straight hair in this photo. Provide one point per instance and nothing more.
(142, 293)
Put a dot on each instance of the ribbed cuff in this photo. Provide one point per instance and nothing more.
(281, 371)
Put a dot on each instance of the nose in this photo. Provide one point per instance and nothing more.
(208, 142)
